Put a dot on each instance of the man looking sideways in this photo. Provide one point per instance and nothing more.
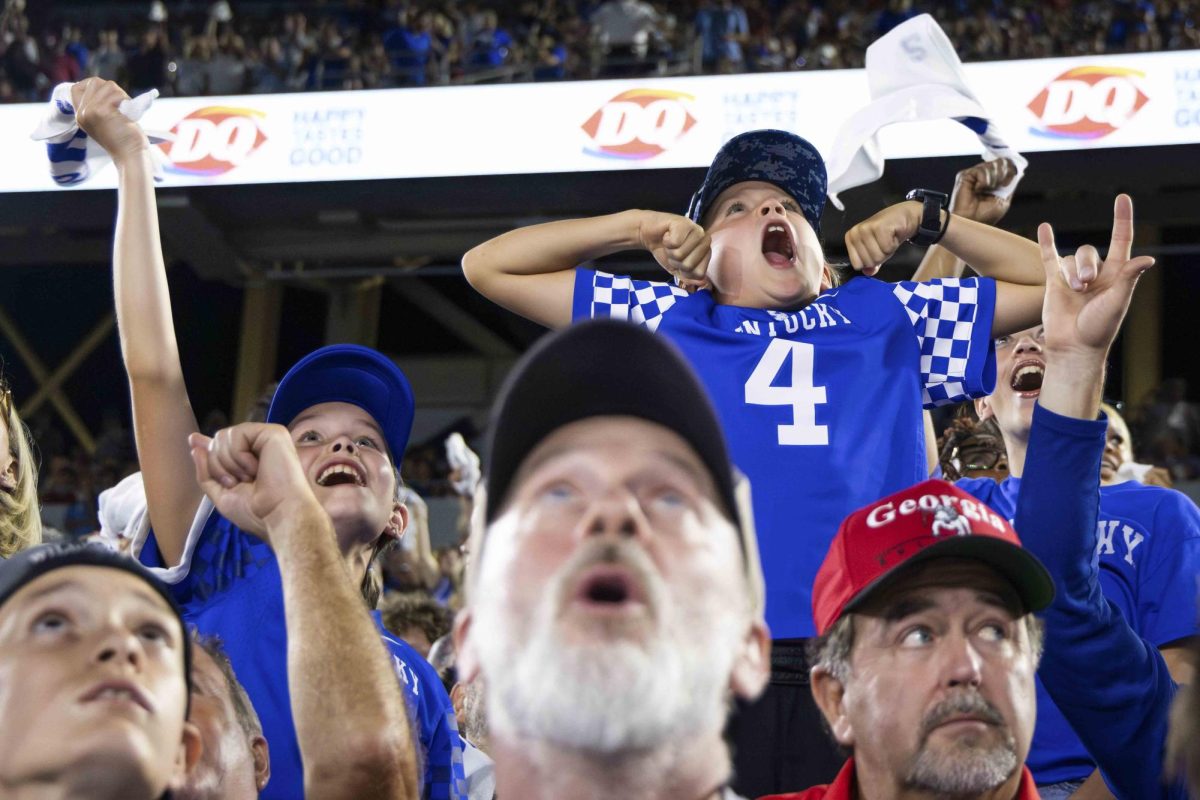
(927, 650)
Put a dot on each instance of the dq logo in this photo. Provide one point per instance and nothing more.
(639, 124)
(1088, 102)
(211, 141)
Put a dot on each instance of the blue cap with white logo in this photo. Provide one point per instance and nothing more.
(776, 157)
(349, 373)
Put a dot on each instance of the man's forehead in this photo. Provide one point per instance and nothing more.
(928, 583)
(629, 440)
(205, 668)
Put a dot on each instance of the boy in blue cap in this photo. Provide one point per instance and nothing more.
(234, 568)
(798, 367)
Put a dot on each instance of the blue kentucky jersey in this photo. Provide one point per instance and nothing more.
(1148, 551)
(821, 406)
(232, 589)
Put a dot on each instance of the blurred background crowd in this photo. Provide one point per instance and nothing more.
(189, 48)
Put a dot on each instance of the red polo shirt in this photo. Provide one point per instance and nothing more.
(842, 788)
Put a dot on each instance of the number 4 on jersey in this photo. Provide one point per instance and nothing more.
(800, 394)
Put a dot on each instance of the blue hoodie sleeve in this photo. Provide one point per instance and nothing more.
(1111, 685)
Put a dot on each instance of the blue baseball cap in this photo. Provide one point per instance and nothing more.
(776, 157)
(349, 373)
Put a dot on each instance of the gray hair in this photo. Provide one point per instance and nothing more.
(243, 708)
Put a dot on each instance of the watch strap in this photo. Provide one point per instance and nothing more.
(932, 227)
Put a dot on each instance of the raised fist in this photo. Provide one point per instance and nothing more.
(680, 246)
(97, 110)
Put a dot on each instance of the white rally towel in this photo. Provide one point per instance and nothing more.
(123, 513)
(914, 76)
(462, 458)
(73, 155)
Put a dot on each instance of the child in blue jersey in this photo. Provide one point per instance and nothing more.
(1148, 549)
(819, 388)
(799, 369)
(347, 412)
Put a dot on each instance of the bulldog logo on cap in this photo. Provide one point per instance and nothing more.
(947, 520)
(933, 519)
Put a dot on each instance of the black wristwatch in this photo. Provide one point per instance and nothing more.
(932, 229)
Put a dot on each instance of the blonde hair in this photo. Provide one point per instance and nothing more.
(20, 515)
(1117, 421)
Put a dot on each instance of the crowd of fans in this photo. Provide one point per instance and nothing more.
(1165, 431)
(223, 48)
(266, 615)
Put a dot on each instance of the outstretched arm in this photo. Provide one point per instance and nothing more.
(162, 413)
(1111, 685)
(530, 271)
(1014, 262)
(354, 732)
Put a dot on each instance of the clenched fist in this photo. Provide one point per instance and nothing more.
(680, 246)
(97, 110)
(974, 195)
(875, 240)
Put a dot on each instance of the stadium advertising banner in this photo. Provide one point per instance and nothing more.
(1046, 104)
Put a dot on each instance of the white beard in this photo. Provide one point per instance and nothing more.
(607, 696)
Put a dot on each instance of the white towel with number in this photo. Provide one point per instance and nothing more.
(914, 76)
(74, 156)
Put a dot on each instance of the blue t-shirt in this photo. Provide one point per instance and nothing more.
(822, 406)
(232, 589)
(1149, 556)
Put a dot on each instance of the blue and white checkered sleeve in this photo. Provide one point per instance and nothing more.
(952, 318)
(602, 295)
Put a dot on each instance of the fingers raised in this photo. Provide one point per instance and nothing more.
(1122, 231)
(1050, 260)
(1132, 269)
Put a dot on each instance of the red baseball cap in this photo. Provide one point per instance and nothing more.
(933, 519)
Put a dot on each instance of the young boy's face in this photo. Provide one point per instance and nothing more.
(92, 673)
(765, 254)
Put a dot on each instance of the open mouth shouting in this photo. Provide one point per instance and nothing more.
(609, 590)
(1026, 377)
(342, 472)
(777, 245)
